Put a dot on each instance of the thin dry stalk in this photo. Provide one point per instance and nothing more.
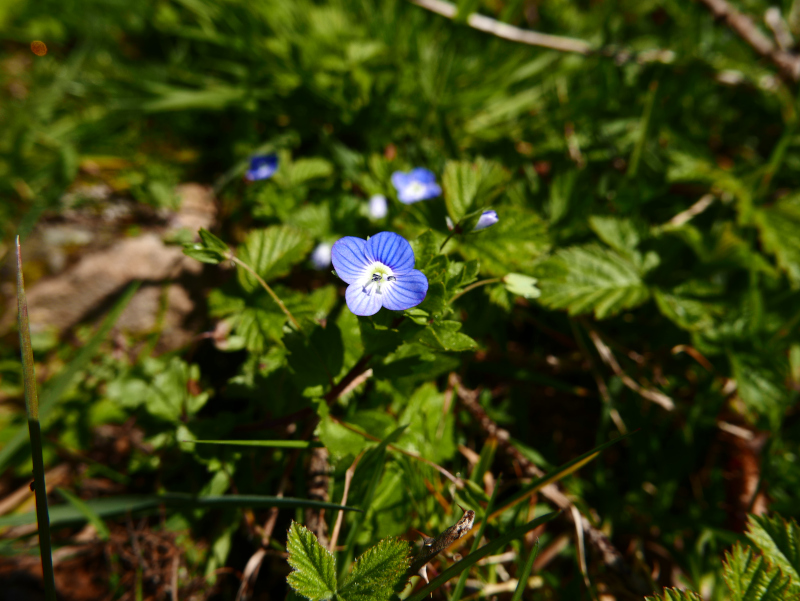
(348, 478)
(609, 359)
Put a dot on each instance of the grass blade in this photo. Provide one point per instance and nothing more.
(475, 557)
(69, 514)
(277, 444)
(522, 579)
(35, 431)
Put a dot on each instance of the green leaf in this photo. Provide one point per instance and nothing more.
(591, 278)
(760, 382)
(561, 194)
(674, 594)
(211, 242)
(304, 170)
(778, 226)
(750, 577)
(444, 335)
(522, 285)
(271, 253)
(314, 574)
(779, 541)
(511, 245)
(377, 572)
(470, 186)
(619, 234)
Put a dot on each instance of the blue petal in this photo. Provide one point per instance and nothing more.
(400, 180)
(361, 303)
(349, 259)
(407, 291)
(487, 219)
(423, 176)
(392, 250)
(432, 191)
(262, 167)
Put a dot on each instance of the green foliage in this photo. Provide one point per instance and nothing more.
(375, 574)
(585, 279)
(271, 253)
(662, 166)
(779, 541)
(751, 577)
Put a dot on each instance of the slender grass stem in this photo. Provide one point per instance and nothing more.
(473, 286)
(269, 290)
(35, 431)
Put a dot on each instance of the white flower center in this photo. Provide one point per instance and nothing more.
(375, 277)
(415, 189)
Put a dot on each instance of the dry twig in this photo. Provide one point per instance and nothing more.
(788, 63)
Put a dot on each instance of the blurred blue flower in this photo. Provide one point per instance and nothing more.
(378, 207)
(321, 257)
(380, 272)
(262, 167)
(487, 219)
(418, 185)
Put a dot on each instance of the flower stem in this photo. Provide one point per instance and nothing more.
(446, 240)
(35, 430)
(269, 290)
(475, 285)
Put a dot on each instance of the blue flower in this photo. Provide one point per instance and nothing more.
(487, 219)
(378, 206)
(262, 167)
(418, 185)
(380, 272)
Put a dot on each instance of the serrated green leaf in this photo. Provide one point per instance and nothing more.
(511, 245)
(760, 383)
(444, 335)
(271, 253)
(425, 248)
(590, 278)
(674, 594)
(304, 170)
(377, 572)
(470, 186)
(314, 574)
(779, 541)
(522, 285)
(750, 577)
(620, 234)
(778, 226)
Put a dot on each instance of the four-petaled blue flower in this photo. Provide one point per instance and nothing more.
(487, 219)
(262, 167)
(418, 185)
(380, 272)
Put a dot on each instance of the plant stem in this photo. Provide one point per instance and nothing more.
(446, 240)
(475, 285)
(35, 431)
(269, 290)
